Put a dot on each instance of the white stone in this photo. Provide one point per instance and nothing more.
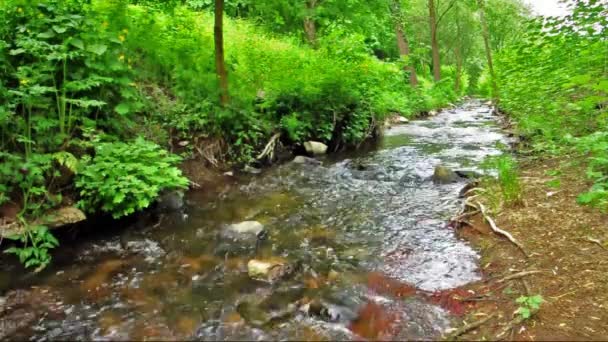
(247, 227)
(315, 148)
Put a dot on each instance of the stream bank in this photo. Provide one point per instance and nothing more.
(357, 247)
(567, 263)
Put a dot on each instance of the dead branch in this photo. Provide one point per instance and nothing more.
(515, 322)
(462, 216)
(518, 275)
(499, 231)
(269, 149)
(595, 241)
(468, 327)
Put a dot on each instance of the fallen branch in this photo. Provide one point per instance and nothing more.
(269, 149)
(595, 241)
(462, 216)
(499, 231)
(518, 275)
(468, 327)
(509, 327)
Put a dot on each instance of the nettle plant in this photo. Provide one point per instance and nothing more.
(62, 66)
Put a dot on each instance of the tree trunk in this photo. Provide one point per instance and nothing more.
(458, 83)
(434, 42)
(403, 44)
(310, 27)
(220, 64)
(486, 43)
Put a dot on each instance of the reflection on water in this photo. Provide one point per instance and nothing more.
(365, 239)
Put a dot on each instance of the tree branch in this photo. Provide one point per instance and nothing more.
(452, 3)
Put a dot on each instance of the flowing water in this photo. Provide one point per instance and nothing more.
(365, 236)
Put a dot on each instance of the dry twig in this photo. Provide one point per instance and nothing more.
(518, 275)
(468, 327)
(499, 231)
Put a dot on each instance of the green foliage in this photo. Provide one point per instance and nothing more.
(35, 245)
(123, 178)
(62, 63)
(595, 147)
(528, 305)
(554, 83)
(508, 178)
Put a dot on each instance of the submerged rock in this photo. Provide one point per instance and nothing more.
(20, 309)
(444, 175)
(306, 160)
(246, 228)
(315, 148)
(171, 200)
(252, 170)
(270, 270)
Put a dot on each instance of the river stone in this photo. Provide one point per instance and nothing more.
(171, 200)
(306, 160)
(468, 174)
(315, 148)
(252, 170)
(269, 270)
(247, 228)
(444, 175)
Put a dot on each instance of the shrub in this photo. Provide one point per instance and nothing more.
(126, 177)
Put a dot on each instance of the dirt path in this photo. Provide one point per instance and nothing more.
(566, 243)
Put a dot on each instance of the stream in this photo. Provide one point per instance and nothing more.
(361, 242)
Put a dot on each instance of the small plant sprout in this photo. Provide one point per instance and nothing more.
(528, 305)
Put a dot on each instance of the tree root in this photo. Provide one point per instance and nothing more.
(468, 327)
(270, 147)
(595, 241)
(518, 275)
(499, 231)
(515, 322)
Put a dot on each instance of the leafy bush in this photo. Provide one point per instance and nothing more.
(123, 178)
(595, 147)
(36, 243)
(61, 63)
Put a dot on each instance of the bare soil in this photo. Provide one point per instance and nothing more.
(566, 243)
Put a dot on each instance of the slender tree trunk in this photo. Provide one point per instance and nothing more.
(310, 27)
(434, 42)
(220, 64)
(486, 43)
(403, 44)
(459, 62)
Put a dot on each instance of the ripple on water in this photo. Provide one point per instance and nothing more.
(348, 225)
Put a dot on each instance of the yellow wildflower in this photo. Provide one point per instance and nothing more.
(121, 38)
(121, 57)
(24, 81)
(19, 10)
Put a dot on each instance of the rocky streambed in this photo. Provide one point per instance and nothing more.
(356, 246)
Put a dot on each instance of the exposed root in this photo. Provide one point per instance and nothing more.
(518, 275)
(461, 217)
(468, 327)
(270, 147)
(515, 322)
(499, 231)
(211, 151)
(595, 241)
